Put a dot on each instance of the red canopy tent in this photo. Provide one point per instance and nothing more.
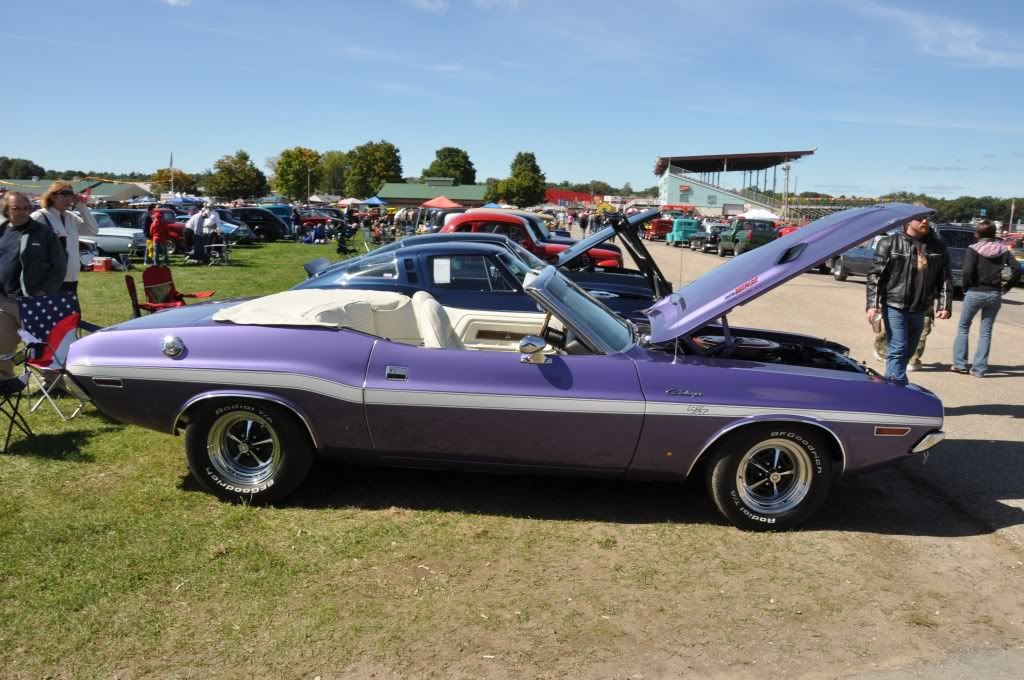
(440, 202)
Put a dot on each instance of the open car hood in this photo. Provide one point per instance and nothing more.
(628, 230)
(758, 271)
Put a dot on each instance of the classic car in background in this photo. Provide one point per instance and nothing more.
(464, 269)
(525, 232)
(742, 235)
(707, 241)
(769, 419)
(114, 240)
(131, 218)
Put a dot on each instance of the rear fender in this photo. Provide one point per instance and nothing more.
(181, 419)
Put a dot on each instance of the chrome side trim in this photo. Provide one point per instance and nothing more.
(780, 419)
(247, 395)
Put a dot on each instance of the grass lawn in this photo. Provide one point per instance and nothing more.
(113, 564)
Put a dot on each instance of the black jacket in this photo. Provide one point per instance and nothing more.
(986, 272)
(891, 275)
(43, 261)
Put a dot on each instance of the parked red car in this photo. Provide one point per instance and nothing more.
(519, 230)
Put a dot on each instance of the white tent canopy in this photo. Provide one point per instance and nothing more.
(759, 214)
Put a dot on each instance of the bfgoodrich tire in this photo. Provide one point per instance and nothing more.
(243, 449)
(770, 477)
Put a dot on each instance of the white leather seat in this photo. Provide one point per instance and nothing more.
(434, 325)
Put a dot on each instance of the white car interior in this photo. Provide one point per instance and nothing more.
(420, 320)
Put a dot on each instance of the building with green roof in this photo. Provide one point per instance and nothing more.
(402, 195)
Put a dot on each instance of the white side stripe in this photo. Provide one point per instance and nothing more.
(465, 400)
(253, 379)
(502, 402)
(661, 408)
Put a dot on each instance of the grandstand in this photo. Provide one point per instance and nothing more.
(701, 181)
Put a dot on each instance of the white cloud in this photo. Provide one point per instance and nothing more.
(949, 38)
(455, 71)
(938, 168)
(491, 4)
(178, 3)
(435, 6)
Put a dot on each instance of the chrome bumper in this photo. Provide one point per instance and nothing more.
(929, 441)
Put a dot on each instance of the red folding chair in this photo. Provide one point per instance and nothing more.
(161, 293)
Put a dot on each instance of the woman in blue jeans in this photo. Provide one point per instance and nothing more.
(983, 286)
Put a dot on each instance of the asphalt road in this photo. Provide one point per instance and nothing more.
(980, 466)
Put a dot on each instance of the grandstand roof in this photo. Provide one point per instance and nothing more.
(735, 161)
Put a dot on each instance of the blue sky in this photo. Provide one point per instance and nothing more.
(922, 96)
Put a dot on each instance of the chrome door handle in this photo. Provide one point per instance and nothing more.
(396, 373)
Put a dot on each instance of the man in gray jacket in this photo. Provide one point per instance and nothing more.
(32, 262)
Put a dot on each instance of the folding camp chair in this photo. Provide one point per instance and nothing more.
(49, 324)
(159, 286)
(11, 391)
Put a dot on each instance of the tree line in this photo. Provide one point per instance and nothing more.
(362, 171)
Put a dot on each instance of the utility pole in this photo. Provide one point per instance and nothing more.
(308, 170)
(785, 189)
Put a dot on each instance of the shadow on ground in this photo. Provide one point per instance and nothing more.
(66, 446)
(902, 500)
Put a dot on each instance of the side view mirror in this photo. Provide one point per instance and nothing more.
(531, 350)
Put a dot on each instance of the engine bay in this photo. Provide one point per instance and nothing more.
(769, 347)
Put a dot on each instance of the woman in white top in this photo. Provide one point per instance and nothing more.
(57, 203)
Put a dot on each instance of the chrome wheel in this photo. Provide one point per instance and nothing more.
(244, 448)
(774, 476)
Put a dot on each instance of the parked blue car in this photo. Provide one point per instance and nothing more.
(471, 266)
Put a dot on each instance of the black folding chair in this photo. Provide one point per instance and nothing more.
(11, 391)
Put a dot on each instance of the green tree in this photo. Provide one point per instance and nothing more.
(236, 176)
(524, 187)
(297, 172)
(184, 183)
(370, 166)
(333, 168)
(452, 162)
(627, 189)
(19, 168)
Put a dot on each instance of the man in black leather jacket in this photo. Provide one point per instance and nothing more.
(910, 273)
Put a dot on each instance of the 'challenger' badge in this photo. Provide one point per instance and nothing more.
(683, 393)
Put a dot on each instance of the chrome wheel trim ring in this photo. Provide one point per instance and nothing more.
(244, 448)
(774, 476)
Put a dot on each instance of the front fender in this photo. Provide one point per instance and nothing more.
(753, 420)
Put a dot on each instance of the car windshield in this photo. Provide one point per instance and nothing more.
(376, 265)
(529, 258)
(594, 317)
(757, 225)
(542, 228)
(103, 221)
(518, 268)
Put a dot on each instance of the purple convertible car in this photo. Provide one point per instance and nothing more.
(263, 387)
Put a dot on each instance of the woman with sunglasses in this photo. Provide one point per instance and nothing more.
(56, 211)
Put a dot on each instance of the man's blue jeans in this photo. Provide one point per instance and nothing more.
(988, 303)
(904, 331)
(160, 254)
